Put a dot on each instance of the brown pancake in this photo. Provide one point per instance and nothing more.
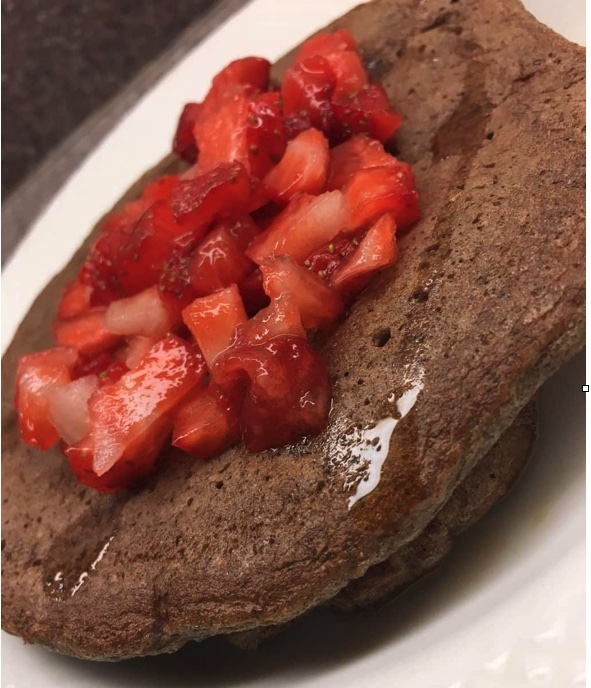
(486, 302)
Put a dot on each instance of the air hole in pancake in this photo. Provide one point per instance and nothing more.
(366, 402)
(346, 373)
(189, 501)
(490, 136)
(381, 337)
(3, 544)
(420, 295)
(219, 484)
(361, 381)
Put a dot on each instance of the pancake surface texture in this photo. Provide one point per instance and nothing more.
(485, 303)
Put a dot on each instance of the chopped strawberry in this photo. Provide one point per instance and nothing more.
(86, 333)
(318, 305)
(365, 111)
(224, 191)
(125, 413)
(349, 71)
(36, 375)
(174, 284)
(325, 261)
(326, 44)
(307, 89)
(184, 142)
(218, 262)
(137, 349)
(75, 300)
(105, 365)
(286, 390)
(213, 320)
(295, 124)
(242, 229)
(265, 135)
(158, 190)
(360, 152)
(68, 408)
(143, 314)
(306, 224)
(205, 424)
(99, 270)
(378, 190)
(280, 317)
(248, 75)
(253, 294)
(128, 472)
(303, 168)
(377, 250)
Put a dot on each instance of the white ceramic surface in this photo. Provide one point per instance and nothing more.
(506, 610)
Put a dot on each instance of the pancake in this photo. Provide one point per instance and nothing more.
(436, 358)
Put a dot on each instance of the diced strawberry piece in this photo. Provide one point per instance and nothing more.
(308, 88)
(105, 365)
(125, 413)
(349, 71)
(295, 124)
(137, 349)
(306, 224)
(378, 190)
(265, 135)
(221, 133)
(366, 111)
(377, 250)
(205, 424)
(68, 408)
(75, 300)
(253, 294)
(248, 75)
(360, 152)
(303, 168)
(224, 191)
(242, 229)
(318, 305)
(287, 393)
(145, 248)
(280, 317)
(184, 141)
(325, 261)
(326, 44)
(143, 314)
(86, 333)
(36, 375)
(157, 190)
(99, 269)
(128, 472)
(174, 284)
(213, 320)
(218, 262)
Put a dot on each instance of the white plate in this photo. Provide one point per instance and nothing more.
(507, 609)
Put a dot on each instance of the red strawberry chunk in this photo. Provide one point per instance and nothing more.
(360, 152)
(137, 349)
(303, 168)
(248, 75)
(349, 71)
(158, 190)
(86, 333)
(184, 141)
(213, 320)
(68, 408)
(253, 294)
(366, 111)
(378, 190)
(205, 424)
(106, 365)
(143, 314)
(36, 375)
(318, 305)
(325, 261)
(377, 250)
(175, 281)
(326, 44)
(124, 414)
(307, 89)
(280, 317)
(242, 229)
(218, 262)
(75, 300)
(265, 134)
(306, 224)
(286, 390)
(224, 191)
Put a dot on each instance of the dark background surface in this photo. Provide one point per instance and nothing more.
(63, 59)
